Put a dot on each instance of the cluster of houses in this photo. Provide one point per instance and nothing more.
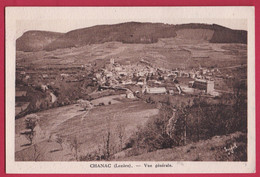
(155, 80)
(143, 75)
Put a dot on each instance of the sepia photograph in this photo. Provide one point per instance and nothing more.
(114, 85)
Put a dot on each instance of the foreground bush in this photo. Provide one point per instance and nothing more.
(190, 123)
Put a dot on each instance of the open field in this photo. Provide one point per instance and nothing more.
(89, 129)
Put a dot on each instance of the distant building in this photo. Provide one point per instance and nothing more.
(206, 85)
(158, 90)
(140, 83)
(109, 74)
(45, 76)
(129, 94)
(184, 74)
(192, 75)
(27, 77)
(44, 88)
(112, 61)
(171, 92)
(191, 84)
(64, 75)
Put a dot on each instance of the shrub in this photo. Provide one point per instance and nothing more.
(30, 123)
(197, 120)
(153, 136)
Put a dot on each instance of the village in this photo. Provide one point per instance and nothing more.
(132, 79)
(144, 78)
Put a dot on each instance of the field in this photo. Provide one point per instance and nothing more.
(167, 53)
(90, 129)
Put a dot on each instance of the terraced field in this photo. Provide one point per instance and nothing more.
(167, 53)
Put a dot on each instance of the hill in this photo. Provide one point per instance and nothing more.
(230, 147)
(131, 32)
(213, 33)
(35, 40)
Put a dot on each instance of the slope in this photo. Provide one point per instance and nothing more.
(35, 40)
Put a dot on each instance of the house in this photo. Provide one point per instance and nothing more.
(206, 85)
(27, 77)
(156, 90)
(127, 82)
(192, 75)
(44, 88)
(109, 74)
(64, 75)
(140, 83)
(45, 76)
(184, 74)
(171, 92)
(112, 61)
(53, 97)
(98, 75)
(190, 84)
(129, 94)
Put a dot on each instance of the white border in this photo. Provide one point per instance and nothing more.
(21, 13)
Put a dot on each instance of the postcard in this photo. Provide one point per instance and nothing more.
(130, 90)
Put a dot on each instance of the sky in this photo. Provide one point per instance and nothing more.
(65, 19)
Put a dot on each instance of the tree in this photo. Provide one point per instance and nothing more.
(30, 123)
(59, 140)
(74, 146)
(120, 132)
(36, 152)
(107, 139)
